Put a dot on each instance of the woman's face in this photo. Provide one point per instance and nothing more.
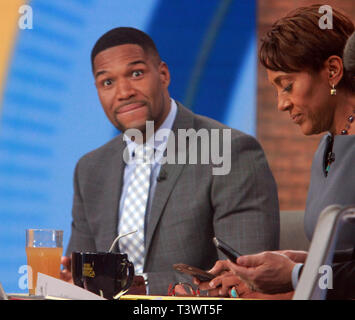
(306, 96)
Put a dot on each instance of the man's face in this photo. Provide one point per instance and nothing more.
(132, 86)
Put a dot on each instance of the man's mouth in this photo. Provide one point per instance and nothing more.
(129, 107)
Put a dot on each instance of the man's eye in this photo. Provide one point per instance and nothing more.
(107, 82)
(137, 73)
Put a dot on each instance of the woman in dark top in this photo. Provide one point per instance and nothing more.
(333, 168)
(305, 65)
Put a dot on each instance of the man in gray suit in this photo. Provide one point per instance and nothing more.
(187, 204)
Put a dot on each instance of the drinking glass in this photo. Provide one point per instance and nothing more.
(44, 248)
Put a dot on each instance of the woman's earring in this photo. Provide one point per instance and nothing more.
(333, 91)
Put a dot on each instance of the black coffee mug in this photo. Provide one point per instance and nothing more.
(76, 268)
(103, 273)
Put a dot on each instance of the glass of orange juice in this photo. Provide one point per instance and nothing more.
(44, 248)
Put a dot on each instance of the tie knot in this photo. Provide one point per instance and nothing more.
(143, 153)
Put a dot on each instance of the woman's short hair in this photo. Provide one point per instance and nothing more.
(349, 61)
(297, 43)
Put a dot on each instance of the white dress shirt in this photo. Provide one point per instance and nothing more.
(159, 147)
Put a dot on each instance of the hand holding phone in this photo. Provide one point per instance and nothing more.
(230, 253)
(194, 272)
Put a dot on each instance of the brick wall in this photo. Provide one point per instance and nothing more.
(289, 152)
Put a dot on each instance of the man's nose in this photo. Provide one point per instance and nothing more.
(124, 90)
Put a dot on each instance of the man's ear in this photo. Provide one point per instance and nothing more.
(164, 74)
(334, 67)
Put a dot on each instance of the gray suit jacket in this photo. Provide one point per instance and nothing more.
(189, 208)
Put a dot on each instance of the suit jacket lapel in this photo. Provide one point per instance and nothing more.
(183, 120)
(114, 183)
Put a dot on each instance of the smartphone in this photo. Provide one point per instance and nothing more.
(230, 253)
(193, 271)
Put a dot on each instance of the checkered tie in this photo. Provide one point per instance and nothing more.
(134, 208)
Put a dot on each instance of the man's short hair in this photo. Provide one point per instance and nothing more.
(124, 35)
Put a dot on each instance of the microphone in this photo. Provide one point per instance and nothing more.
(163, 175)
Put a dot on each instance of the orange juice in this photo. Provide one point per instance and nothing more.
(44, 260)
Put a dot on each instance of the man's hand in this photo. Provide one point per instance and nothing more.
(65, 274)
(266, 272)
(137, 286)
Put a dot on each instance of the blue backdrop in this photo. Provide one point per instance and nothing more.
(51, 115)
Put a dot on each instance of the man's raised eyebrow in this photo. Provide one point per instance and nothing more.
(136, 62)
(99, 73)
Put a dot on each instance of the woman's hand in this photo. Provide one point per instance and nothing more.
(295, 255)
(224, 282)
(267, 272)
